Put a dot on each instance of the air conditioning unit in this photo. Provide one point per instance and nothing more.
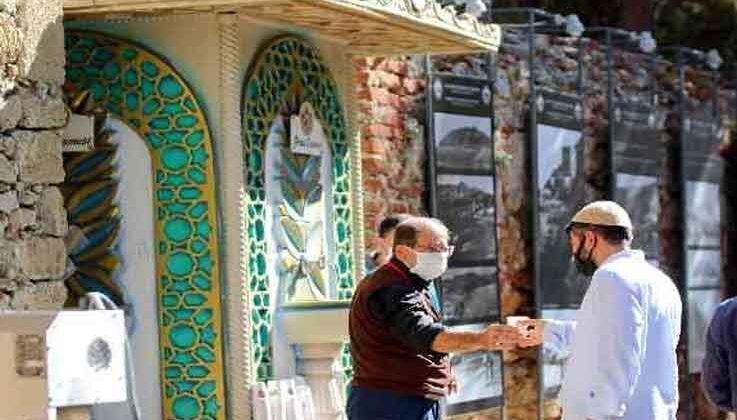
(51, 360)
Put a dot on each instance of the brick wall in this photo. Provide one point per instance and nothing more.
(391, 106)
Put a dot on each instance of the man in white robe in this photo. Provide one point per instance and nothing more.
(623, 343)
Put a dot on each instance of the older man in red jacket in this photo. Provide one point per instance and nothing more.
(399, 346)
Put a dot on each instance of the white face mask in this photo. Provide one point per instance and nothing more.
(430, 265)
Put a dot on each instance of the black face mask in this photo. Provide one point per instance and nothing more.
(584, 265)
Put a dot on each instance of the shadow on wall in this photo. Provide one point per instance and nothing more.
(32, 216)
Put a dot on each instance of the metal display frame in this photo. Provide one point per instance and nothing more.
(432, 201)
(628, 42)
(534, 22)
(684, 57)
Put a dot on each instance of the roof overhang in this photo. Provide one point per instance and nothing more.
(369, 27)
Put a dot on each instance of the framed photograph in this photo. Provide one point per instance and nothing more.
(561, 187)
(704, 268)
(701, 307)
(480, 377)
(467, 205)
(639, 195)
(703, 213)
(470, 295)
(463, 143)
(463, 196)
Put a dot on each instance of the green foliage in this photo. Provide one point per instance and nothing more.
(699, 24)
(704, 25)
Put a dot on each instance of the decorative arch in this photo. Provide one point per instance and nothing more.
(283, 64)
(142, 90)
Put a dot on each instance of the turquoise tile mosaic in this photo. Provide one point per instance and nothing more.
(283, 65)
(143, 90)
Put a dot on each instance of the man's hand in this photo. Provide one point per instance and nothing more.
(500, 337)
(454, 386)
(531, 332)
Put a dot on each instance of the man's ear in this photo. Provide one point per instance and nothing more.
(401, 251)
(591, 237)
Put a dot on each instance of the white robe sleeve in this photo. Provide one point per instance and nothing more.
(618, 349)
(558, 340)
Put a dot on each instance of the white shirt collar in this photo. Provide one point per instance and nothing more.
(625, 253)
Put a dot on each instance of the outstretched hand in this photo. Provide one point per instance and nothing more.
(500, 337)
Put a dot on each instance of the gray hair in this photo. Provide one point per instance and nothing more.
(408, 231)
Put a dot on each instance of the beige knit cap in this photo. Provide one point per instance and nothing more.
(603, 213)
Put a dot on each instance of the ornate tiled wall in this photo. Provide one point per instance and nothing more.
(142, 90)
(283, 63)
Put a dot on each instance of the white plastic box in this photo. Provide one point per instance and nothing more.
(60, 359)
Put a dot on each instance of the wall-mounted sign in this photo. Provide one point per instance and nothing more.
(306, 133)
(79, 134)
(560, 110)
(461, 95)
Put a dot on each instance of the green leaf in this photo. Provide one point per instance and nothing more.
(311, 171)
(316, 276)
(292, 169)
(314, 195)
(294, 234)
(294, 198)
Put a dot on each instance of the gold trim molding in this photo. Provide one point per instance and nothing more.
(369, 27)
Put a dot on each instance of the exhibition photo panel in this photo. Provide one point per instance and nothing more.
(703, 170)
(560, 193)
(637, 162)
(464, 197)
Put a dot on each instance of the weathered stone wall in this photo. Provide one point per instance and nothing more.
(391, 94)
(516, 279)
(671, 220)
(32, 216)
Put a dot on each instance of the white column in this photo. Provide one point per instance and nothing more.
(350, 77)
(229, 149)
(317, 363)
